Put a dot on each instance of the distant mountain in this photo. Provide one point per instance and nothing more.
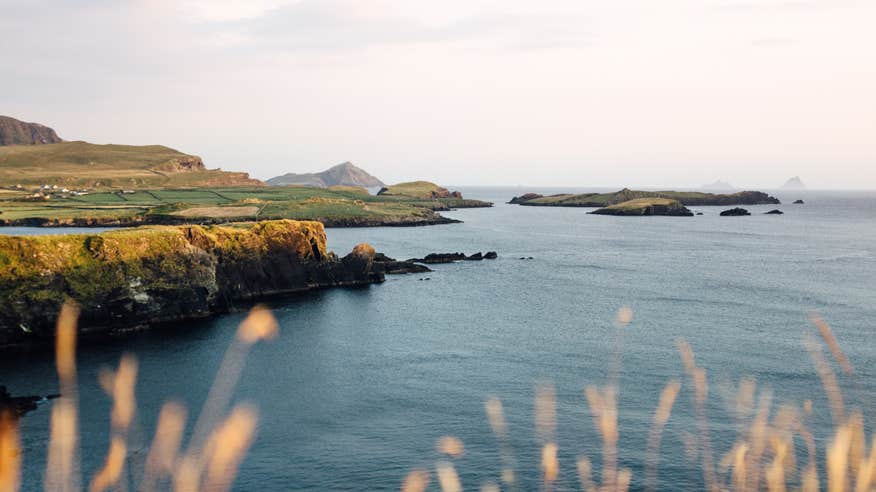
(794, 184)
(345, 174)
(16, 132)
(718, 186)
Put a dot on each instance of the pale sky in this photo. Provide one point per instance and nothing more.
(464, 92)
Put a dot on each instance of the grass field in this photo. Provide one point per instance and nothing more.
(82, 164)
(220, 204)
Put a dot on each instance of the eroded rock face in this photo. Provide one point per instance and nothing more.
(131, 279)
(735, 212)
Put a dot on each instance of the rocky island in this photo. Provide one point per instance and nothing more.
(130, 279)
(646, 207)
(687, 198)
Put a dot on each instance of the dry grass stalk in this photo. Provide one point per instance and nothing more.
(111, 473)
(603, 406)
(832, 343)
(661, 416)
(447, 477)
(162, 457)
(416, 481)
(62, 467)
(585, 474)
(451, 446)
(10, 453)
(227, 446)
(550, 466)
(828, 381)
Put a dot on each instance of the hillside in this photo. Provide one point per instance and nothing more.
(606, 199)
(345, 174)
(419, 189)
(82, 164)
(16, 132)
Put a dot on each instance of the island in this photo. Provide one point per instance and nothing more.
(646, 207)
(687, 198)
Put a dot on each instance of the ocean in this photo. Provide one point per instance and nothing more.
(361, 383)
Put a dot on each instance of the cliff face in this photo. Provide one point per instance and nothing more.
(16, 132)
(125, 280)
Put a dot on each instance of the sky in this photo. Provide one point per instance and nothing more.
(463, 92)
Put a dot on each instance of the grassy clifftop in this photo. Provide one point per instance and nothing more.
(419, 189)
(127, 279)
(82, 164)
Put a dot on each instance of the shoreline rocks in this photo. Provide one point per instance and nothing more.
(735, 212)
(774, 212)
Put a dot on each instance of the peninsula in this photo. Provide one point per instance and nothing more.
(135, 278)
(47, 182)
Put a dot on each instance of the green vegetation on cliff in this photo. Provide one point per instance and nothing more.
(86, 165)
(418, 189)
(691, 198)
(124, 279)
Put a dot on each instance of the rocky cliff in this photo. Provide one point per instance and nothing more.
(130, 279)
(16, 132)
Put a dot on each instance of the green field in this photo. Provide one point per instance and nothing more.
(346, 205)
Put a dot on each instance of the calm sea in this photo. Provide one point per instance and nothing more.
(362, 382)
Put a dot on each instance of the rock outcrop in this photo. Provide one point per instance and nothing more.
(131, 279)
(774, 212)
(436, 258)
(799, 202)
(646, 207)
(16, 132)
(735, 212)
(524, 198)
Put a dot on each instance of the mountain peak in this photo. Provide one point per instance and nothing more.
(17, 132)
(794, 183)
(343, 174)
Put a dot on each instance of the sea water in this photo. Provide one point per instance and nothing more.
(361, 383)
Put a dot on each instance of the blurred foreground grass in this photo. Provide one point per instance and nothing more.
(763, 457)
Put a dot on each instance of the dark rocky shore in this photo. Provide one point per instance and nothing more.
(131, 279)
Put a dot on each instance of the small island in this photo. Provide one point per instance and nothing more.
(687, 198)
(646, 207)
